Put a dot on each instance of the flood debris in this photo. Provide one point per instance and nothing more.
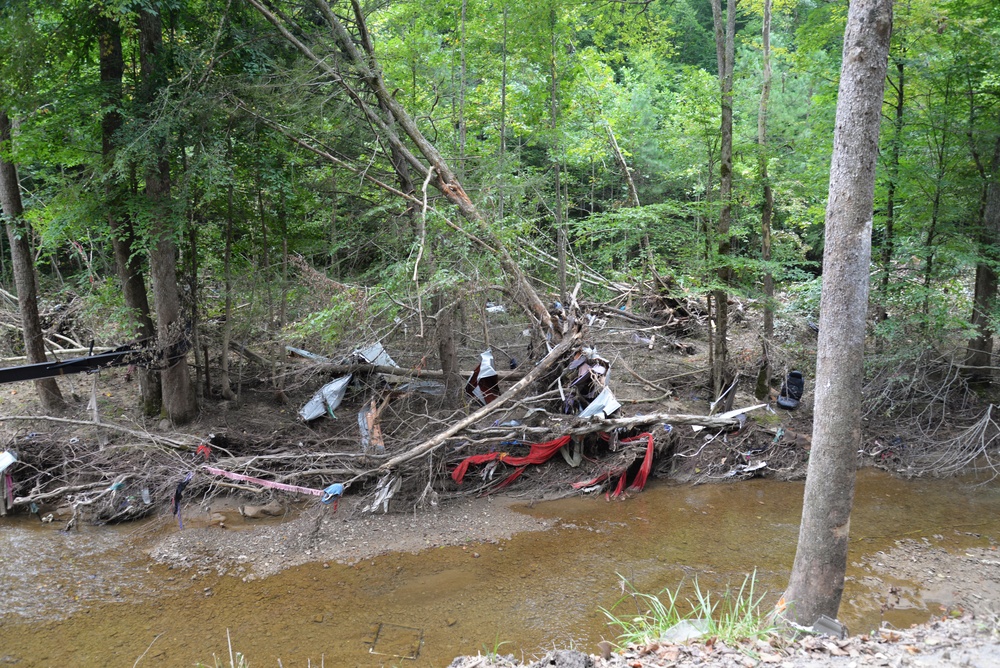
(484, 383)
(791, 391)
(7, 458)
(326, 400)
(554, 410)
(371, 432)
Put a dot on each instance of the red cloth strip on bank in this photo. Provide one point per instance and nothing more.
(543, 452)
(538, 454)
(640, 478)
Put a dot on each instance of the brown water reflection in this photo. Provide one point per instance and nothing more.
(533, 592)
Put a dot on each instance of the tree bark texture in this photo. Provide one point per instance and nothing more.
(817, 579)
(767, 207)
(19, 233)
(123, 239)
(725, 54)
(178, 397)
(980, 351)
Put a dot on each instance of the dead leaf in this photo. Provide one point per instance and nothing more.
(833, 649)
(669, 653)
(911, 649)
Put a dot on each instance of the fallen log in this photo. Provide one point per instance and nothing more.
(344, 369)
(563, 424)
(33, 497)
(190, 444)
(590, 425)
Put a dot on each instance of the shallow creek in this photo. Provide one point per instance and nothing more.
(93, 599)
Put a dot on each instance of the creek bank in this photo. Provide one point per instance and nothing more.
(969, 642)
(346, 536)
(964, 584)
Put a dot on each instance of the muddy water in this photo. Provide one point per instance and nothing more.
(523, 595)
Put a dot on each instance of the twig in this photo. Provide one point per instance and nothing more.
(420, 250)
(155, 638)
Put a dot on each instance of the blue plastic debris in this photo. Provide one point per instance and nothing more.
(333, 492)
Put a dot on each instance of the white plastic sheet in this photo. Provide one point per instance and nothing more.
(603, 405)
(326, 399)
(6, 459)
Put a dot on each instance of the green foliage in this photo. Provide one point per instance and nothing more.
(346, 311)
(105, 310)
(235, 94)
(733, 617)
(614, 240)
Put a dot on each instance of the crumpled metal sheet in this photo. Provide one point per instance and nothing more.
(375, 354)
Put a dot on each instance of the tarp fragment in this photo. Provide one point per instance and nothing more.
(484, 382)
(326, 399)
(6, 459)
(603, 405)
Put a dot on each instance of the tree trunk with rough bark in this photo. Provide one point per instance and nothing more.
(725, 54)
(178, 397)
(767, 206)
(979, 355)
(123, 240)
(817, 579)
(18, 233)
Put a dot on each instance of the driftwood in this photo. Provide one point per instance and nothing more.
(59, 492)
(189, 444)
(437, 374)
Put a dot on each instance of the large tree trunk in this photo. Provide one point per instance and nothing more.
(980, 351)
(18, 232)
(178, 398)
(123, 239)
(817, 579)
(889, 241)
(767, 207)
(979, 355)
(725, 54)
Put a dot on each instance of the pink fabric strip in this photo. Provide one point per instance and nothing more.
(264, 483)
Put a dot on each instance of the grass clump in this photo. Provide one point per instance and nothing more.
(734, 617)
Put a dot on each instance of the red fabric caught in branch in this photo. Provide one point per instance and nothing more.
(538, 454)
(641, 477)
